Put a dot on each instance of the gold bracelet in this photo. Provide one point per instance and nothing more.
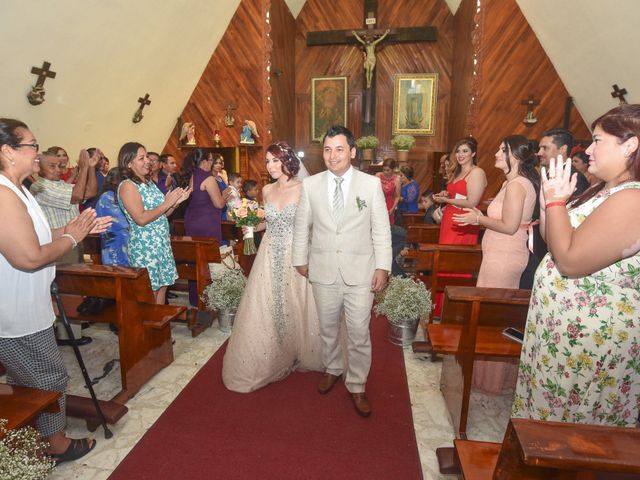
(70, 237)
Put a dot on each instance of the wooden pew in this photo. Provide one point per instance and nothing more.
(230, 233)
(471, 327)
(433, 259)
(423, 233)
(21, 405)
(533, 449)
(144, 331)
(193, 256)
(413, 218)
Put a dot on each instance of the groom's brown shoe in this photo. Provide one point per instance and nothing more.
(360, 401)
(327, 383)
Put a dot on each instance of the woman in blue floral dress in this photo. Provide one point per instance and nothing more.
(146, 209)
(580, 359)
(114, 241)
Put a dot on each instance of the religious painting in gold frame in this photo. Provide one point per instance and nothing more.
(328, 104)
(414, 103)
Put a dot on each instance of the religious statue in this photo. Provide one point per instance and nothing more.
(249, 133)
(369, 53)
(188, 134)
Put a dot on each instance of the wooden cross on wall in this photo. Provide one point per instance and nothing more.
(143, 102)
(36, 95)
(371, 34)
(619, 93)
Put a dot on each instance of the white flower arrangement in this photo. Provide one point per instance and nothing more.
(225, 290)
(404, 299)
(23, 454)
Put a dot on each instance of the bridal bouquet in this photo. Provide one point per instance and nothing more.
(247, 213)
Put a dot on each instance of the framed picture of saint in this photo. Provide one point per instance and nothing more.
(328, 104)
(414, 103)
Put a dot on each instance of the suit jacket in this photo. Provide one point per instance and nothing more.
(355, 247)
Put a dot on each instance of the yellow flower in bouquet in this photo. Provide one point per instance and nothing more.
(247, 213)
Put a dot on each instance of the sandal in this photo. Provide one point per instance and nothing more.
(77, 448)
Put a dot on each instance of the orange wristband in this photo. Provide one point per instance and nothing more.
(555, 204)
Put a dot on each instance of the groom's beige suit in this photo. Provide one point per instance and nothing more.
(342, 258)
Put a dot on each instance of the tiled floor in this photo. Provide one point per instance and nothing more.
(488, 417)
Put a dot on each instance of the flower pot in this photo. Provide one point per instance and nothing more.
(403, 332)
(403, 156)
(225, 319)
(367, 154)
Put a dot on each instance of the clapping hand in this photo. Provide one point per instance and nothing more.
(80, 226)
(177, 196)
(95, 158)
(558, 184)
(470, 217)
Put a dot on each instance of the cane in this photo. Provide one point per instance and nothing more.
(76, 350)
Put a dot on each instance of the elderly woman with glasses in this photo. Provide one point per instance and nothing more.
(28, 249)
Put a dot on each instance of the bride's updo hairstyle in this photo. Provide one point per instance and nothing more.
(289, 160)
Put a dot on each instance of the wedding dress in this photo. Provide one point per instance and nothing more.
(276, 327)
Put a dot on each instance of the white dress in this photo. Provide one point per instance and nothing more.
(276, 328)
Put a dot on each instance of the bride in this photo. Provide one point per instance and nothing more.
(276, 328)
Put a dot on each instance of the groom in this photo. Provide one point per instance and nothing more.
(342, 243)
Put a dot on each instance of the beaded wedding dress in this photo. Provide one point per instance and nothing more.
(276, 327)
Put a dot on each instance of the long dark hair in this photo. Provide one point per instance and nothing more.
(127, 153)
(193, 161)
(623, 122)
(111, 182)
(522, 149)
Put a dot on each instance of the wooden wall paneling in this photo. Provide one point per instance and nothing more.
(236, 72)
(462, 81)
(283, 31)
(513, 65)
(391, 59)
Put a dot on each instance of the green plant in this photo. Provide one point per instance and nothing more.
(404, 299)
(368, 141)
(23, 454)
(225, 290)
(403, 142)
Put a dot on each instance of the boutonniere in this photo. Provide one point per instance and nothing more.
(360, 203)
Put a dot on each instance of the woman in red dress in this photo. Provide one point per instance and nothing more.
(464, 190)
(390, 186)
(465, 187)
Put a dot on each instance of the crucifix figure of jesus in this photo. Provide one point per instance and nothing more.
(369, 52)
(369, 39)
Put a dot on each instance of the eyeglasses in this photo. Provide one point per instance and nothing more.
(32, 145)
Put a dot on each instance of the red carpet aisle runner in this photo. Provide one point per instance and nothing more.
(284, 431)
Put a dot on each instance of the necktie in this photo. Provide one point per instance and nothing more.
(338, 200)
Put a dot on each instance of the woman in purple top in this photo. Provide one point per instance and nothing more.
(202, 218)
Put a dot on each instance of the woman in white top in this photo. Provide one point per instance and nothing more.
(28, 249)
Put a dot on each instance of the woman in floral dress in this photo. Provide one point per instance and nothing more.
(580, 359)
(146, 209)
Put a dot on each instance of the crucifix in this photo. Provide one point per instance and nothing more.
(371, 38)
(619, 93)
(530, 118)
(143, 102)
(36, 95)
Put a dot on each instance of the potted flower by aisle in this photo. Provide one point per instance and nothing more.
(367, 145)
(404, 302)
(223, 295)
(403, 143)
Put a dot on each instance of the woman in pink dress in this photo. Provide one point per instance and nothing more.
(504, 244)
(390, 186)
